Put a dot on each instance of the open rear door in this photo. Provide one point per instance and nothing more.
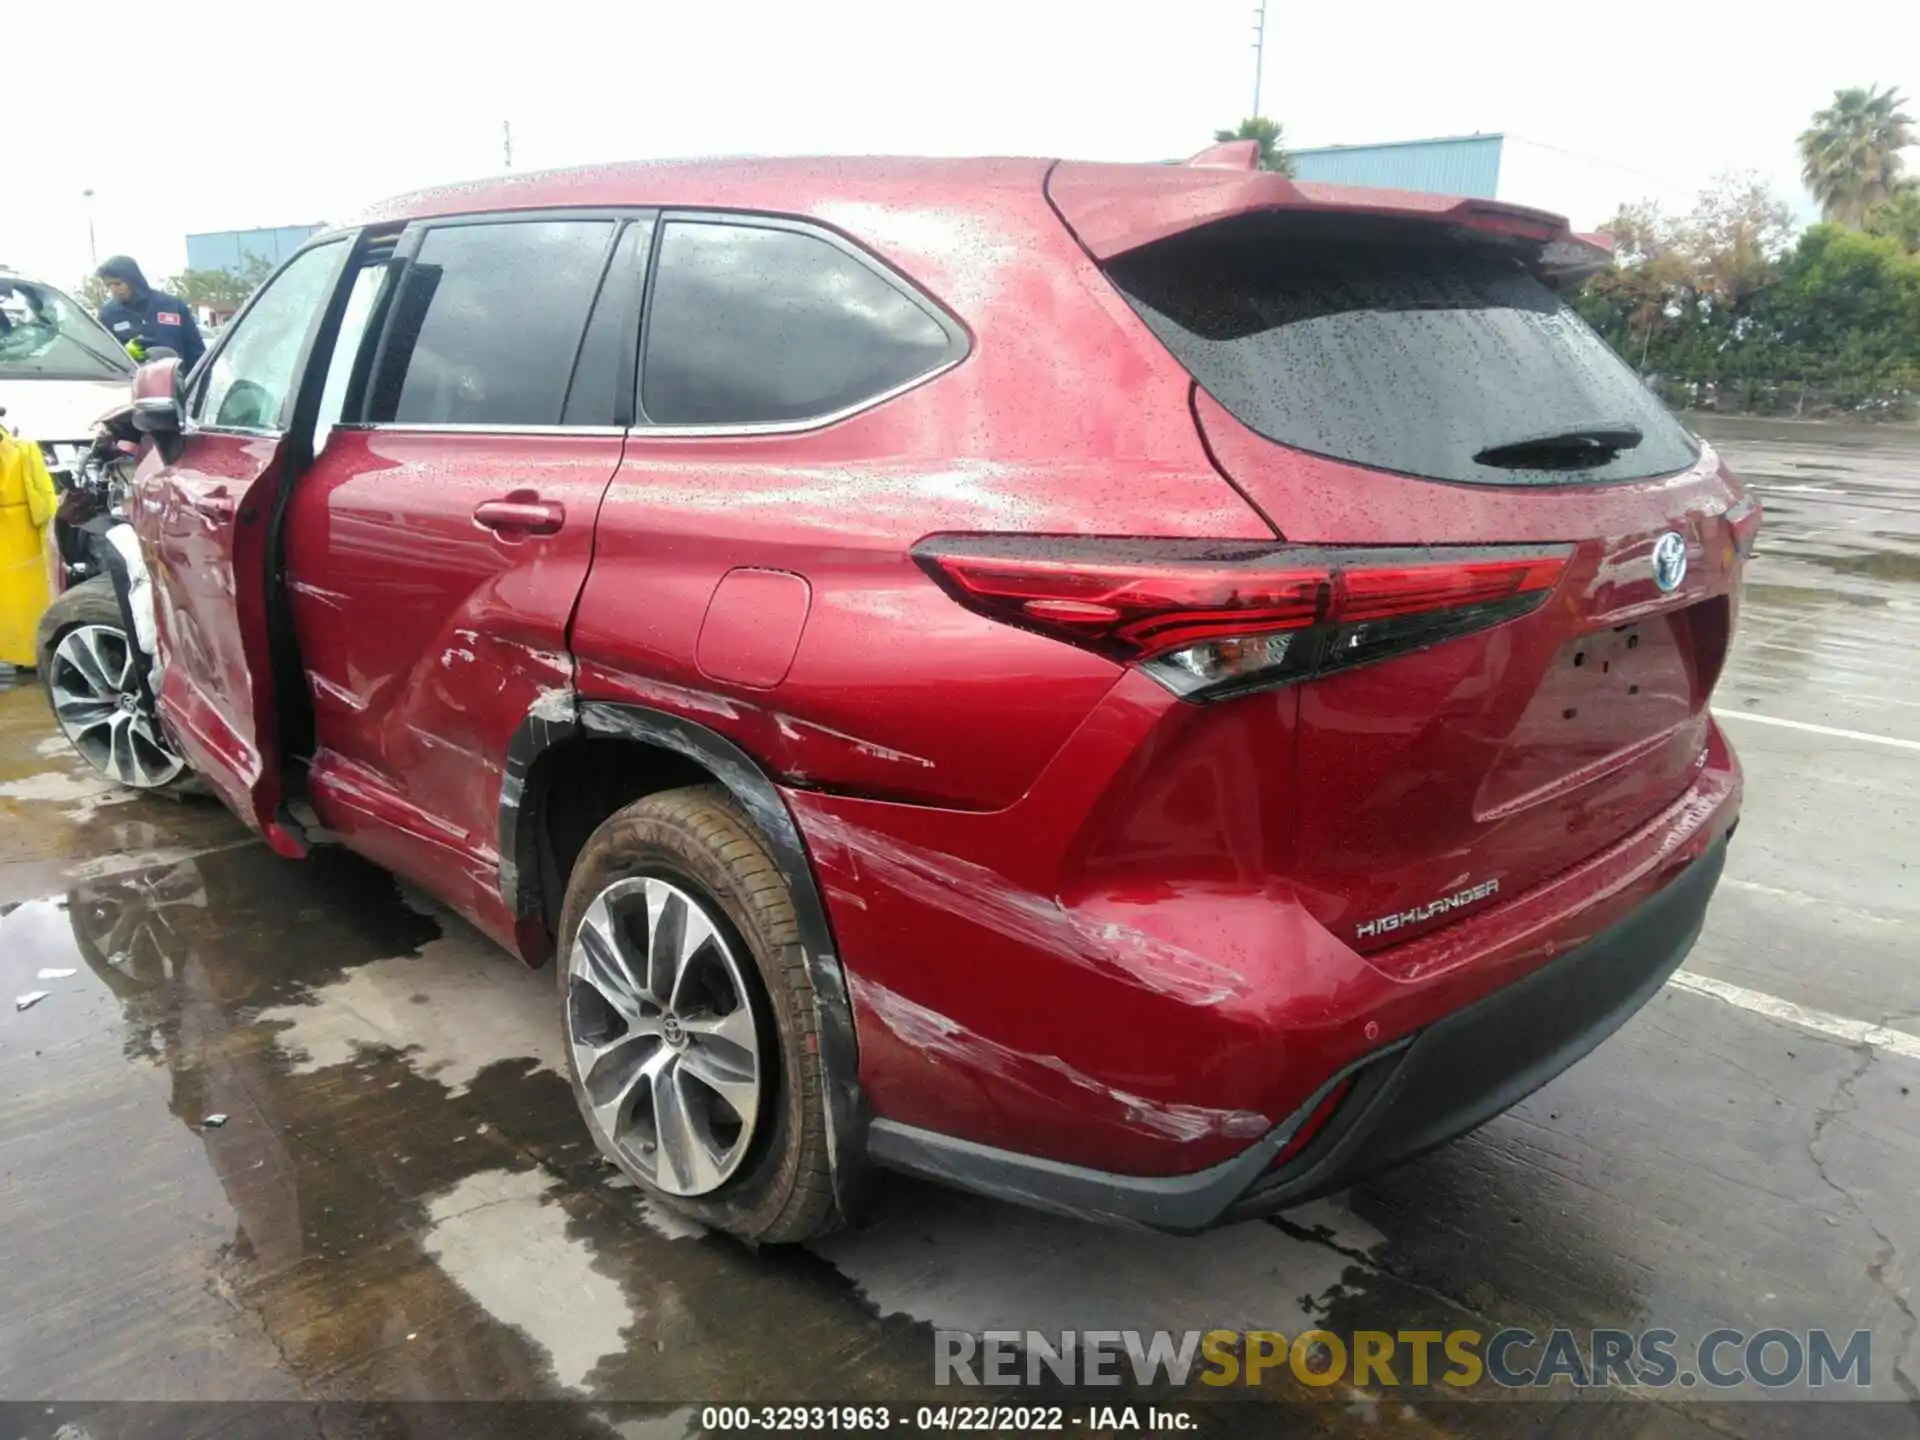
(205, 504)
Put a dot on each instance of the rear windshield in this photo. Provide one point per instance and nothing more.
(1401, 352)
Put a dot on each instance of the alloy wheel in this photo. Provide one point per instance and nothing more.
(663, 1034)
(96, 698)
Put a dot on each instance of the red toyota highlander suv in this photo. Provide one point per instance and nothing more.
(1146, 690)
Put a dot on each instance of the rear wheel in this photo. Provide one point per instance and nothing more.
(89, 670)
(689, 1018)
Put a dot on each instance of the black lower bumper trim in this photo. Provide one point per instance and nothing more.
(1443, 1081)
(1462, 1071)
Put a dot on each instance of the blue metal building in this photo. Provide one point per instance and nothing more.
(1459, 165)
(229, 249)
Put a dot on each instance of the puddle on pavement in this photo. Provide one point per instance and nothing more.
(959, 1262)
(80, 796)
(401, 1201)
(502, 1237)
(60, 823)
(1897, 567)
(451, 1009)
(1757, 597)
(402, 1204)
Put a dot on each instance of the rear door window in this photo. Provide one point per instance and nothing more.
(760, 325)
(487, 323)
(1403, 352)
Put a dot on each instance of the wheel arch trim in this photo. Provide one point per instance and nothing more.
(561, 716)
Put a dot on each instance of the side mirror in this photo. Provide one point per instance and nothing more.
(156, 404)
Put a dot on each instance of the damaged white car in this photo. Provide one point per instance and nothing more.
(60, 369)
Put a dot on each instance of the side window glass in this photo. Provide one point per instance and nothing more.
(487, 323)
(361, 303)
(611, 333)
(251, 377)
(754, 325)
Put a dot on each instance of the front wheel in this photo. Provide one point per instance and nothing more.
(89, 669)
(689, 1018)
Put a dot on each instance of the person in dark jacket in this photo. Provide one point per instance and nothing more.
(142, 318)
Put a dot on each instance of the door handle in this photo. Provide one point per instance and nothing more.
(216, 504)
(521, 512)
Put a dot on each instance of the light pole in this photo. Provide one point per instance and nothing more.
(93, 248)
(1259, 51)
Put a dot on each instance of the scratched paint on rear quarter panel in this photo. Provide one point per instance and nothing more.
(1057, 421)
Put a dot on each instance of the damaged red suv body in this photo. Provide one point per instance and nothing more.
(1217, 667)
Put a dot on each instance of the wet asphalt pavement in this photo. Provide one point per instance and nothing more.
(400, 1204)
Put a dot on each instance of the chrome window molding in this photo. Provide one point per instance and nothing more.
(428, 427)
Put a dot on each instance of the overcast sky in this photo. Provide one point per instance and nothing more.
(216, 115)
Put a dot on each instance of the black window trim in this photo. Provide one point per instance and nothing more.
(382, 249)
(628, 293)
(959, 338)
(408, 247)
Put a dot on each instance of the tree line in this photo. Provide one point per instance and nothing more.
(1728, 306)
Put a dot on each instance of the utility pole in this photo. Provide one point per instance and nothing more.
(506, 140)
(93, 247)
(1259, 51)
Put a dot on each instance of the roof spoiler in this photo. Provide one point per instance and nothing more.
(1117, 208)
(1228, 155)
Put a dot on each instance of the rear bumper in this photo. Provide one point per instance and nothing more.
(1427, 1088)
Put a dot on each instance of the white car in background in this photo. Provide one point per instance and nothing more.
(60, 369)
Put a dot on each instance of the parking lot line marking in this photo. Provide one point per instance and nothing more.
(1813, 729)
(1854, 1032)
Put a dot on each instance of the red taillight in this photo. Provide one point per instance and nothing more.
(1743, 518)
(1406, 590)
(1213, 619)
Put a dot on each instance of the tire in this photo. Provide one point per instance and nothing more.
(690, 853)
(130, 749)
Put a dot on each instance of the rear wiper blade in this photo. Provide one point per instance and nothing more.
(1573, 449)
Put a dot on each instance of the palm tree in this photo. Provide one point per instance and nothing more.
(1850, 155)
(1267, 132)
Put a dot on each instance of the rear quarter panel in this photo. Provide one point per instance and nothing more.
(1057, 421)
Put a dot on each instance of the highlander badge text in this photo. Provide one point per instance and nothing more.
(1387, 924)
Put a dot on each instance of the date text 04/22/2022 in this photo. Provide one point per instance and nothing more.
(999, 1419)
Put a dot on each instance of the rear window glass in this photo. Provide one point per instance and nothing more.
(753, 325)
(1396, 353)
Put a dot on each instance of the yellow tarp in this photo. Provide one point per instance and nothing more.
(27, 502)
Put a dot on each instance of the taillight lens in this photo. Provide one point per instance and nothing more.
(1311, 1126)
(1743, 518)
(1209, 619)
